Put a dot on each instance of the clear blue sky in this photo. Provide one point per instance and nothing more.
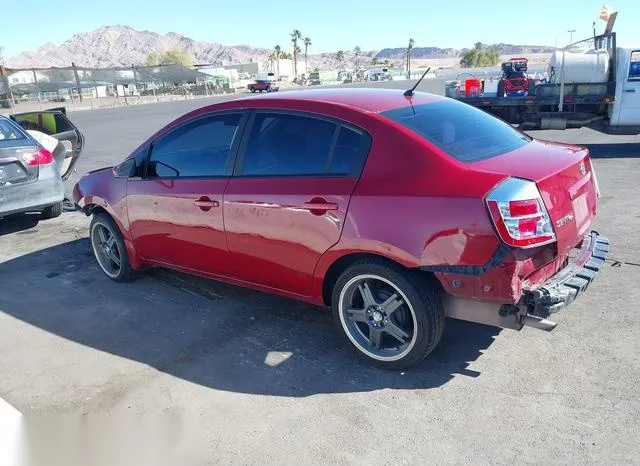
(331, 24)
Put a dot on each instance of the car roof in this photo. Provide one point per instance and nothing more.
(368, 99)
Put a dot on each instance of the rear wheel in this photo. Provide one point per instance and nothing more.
(108, 248)
(52, 211)
(390, 315)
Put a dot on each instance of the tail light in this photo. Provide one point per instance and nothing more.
(595, 179)
(40, 157)
(519, 214)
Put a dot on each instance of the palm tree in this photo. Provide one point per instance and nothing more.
(307, 44)
(296, 35)
(357, 51)
(297, 51)
(272, 60)
(340, 57)
(277, 50)
(409, 49)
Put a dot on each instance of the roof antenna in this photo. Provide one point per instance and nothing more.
(409, 92)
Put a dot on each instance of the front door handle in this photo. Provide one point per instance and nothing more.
(204, 203)
(629, 90)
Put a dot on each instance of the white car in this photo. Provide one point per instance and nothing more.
(38, 151)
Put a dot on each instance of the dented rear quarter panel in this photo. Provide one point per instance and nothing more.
(418, 207)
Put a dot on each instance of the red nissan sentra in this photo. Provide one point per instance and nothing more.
(394, 210)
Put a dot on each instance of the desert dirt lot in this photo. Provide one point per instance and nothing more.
(269, 381)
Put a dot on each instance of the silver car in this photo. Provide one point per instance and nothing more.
(38, 151)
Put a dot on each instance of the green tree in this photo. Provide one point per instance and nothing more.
(173, 56)
(307, 44)
(375, 61)
(480, 56)
(296, 35)
(357, 51)
(278, 51)
(152, 59)
(340, 57)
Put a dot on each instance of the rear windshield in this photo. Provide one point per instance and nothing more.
(462, 131)
(9, 132)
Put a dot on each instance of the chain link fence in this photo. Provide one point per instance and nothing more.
(97, 87)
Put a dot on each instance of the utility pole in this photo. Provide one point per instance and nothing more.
(35, 80)
(75, 73)
(4, 81)
(571, 31)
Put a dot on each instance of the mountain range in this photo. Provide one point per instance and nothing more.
(121, 45)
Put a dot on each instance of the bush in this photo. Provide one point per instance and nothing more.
(480, 56)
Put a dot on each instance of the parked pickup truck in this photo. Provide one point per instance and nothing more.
(263, 85)
(596, 86)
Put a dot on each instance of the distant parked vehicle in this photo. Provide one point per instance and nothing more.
(394, 209)
(263, 85)
(314, 79)
(38, 151)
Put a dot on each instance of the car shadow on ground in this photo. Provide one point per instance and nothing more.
(208, 333)
(19, 224)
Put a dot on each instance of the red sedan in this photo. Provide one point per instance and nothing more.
(394, 210)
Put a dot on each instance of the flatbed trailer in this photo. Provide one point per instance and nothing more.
(611, 104)
(582, 103)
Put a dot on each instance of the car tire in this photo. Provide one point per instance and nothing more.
(403, 311)
(52, 211)
(108, 248)
(253, 90)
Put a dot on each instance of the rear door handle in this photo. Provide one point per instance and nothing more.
(205, 203)
(629, 90)
(320, 206)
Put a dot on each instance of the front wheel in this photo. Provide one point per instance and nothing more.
(390, 315)
(108, 248)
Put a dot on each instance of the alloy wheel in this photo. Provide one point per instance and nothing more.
(106, 249)
(377, 317)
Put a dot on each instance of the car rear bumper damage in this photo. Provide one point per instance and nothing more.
(565, 286)
(538, 303)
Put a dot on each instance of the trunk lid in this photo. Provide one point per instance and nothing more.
(565, 179)
(13, 170)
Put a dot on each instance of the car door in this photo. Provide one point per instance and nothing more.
(287, 201)
(630, 98)
(175, 205)
(55, 123)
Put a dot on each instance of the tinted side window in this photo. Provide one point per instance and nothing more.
(196, 149)
(45, 122)
(288, 145)
(126, 168)
(350, 152)
(8, 131)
